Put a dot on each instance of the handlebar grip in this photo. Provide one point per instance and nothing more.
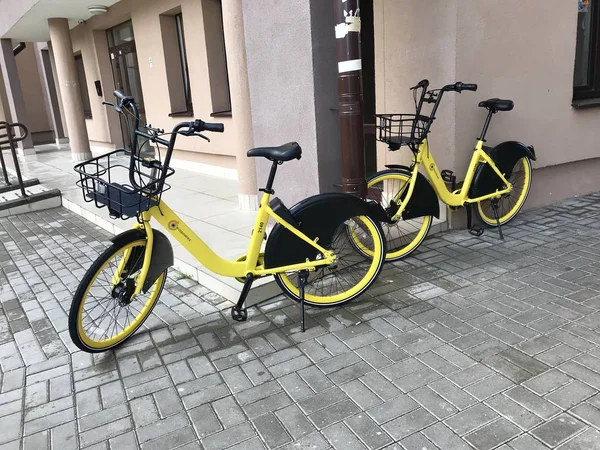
(214, 127)
(469, 87)
(119, 95)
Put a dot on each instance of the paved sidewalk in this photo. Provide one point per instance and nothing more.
(471, 343)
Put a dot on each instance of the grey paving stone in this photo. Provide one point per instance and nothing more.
(64, 437)
(38, 441)
(295, 422)
(514, 412)
(547, 382)
(103, 417)
(444, 437)
(470, 419)
(340, 437)
(493, 434)
(558, 430)
(176, 439)
(228, 437)
(433, 403)
(587, 413)
(588, 440)
(571, 394)
(536, 404)
(410, 423)
(361, 394)
(392, 409)
(450, 392)
(271, 430)
(203, 420)
(104, 432)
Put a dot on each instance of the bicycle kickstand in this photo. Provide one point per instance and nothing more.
(497, 217)
(302, 278)
(238, 312)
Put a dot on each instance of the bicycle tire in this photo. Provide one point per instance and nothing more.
(484, 209)
(399, 243)
(288, 282)
(77, 330)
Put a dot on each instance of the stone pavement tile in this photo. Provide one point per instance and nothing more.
(547, 382)
(414, 441)
(587, 413)
(295, 422)
(368, 431)
(180, 439)
(64, 437)
(514, 412)
(580, 372)
(433, 403)
(340, 437)
(311, 441)
(489, 386)
(271, 430)
(104, 432)
(532, 402)
(558, 430)
(493, 434)
(38, 441)
(470, 419)
(526, 442)
(229, 437)
(558, 355)
(392, 409)
(361, 394)
(409, 423)
(571, 394)
(588, 440)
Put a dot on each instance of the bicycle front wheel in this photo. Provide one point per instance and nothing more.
(509, 204)
(353, 271)
(403, 236)
(104, 313)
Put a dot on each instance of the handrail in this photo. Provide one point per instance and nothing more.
(9, 138)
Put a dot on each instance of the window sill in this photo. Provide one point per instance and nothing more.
(182, 114)
(586, 103)
(221, 114)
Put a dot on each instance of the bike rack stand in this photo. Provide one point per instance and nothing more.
(10, 201)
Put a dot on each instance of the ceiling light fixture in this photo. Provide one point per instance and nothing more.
(97, 9)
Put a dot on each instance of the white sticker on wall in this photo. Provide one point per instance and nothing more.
(151, 62)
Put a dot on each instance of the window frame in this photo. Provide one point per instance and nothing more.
(591, 91)
(185, 73)
(83, 88)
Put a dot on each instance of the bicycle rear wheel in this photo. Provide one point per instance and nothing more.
(353, 271)
(104, 313)
(509, 204)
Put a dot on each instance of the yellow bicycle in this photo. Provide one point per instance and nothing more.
(497, 181)
(311, 251)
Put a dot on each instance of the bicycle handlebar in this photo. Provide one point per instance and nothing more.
(193, 129)
(459, 87)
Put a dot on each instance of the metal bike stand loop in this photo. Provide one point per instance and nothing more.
(8, 138)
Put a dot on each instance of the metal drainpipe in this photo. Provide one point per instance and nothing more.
(347, 33)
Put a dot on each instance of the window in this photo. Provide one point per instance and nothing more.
(83, 90)
(183, 60)
(217, 58)
(178, 77)
(586, 79)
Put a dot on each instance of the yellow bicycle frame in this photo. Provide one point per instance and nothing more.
(202, 252)
(459, 197)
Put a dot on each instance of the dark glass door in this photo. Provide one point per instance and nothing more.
(126, 72)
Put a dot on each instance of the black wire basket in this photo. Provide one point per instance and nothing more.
(108, 181)
(398, 130)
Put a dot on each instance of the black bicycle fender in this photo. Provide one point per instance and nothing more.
(162, 254)
(505, 156)
(424, 201)
(318, 217)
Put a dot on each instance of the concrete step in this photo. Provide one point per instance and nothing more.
(38, 198)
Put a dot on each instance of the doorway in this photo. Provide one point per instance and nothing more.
(126, 72)
(368, 84)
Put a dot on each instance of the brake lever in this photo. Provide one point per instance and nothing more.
(202, 136)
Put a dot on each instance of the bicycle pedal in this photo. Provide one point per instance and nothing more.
(239, 315)
(448, 176)
(476, 230)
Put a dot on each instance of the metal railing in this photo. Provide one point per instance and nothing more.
(9, 140)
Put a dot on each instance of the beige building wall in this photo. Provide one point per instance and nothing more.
(524, 51)
(90, 39)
